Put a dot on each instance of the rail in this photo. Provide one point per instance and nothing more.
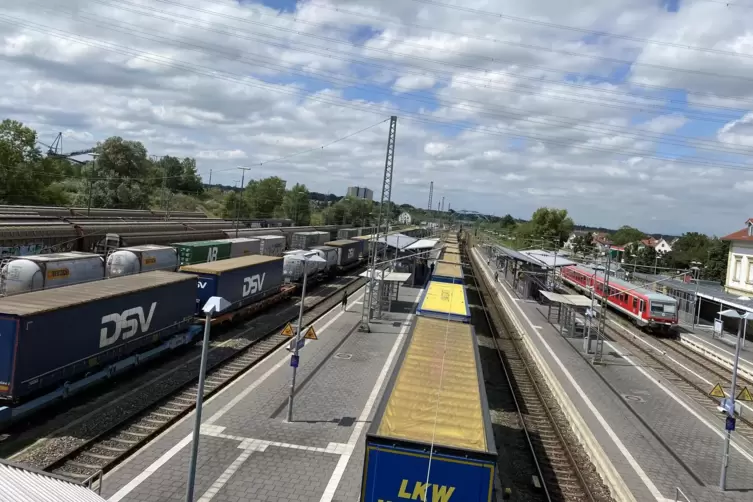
(538, 392)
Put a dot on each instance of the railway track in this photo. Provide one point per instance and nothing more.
(564, 474)
(126, 430)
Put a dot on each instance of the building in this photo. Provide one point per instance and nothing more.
(662, 246)
(361, 193)
(570, 242)
(405, 218)
(739, 278)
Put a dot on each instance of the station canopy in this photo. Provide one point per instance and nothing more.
(574, 300)
(18, 483)
(387, 275)
(399, 241)
(548, 259)
(422, 244)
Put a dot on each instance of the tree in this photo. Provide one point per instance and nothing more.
(121, 177)
(716, 265)
(264, 196)
(548, 226)
(25, 176)
(627, 234)
(584, 244)
(296, 205)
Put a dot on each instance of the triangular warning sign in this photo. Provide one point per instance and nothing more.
(310, 334)
(717, 391)
(287, 330)
(744, 395)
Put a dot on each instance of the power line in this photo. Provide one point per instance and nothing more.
(416, 117)
(286, 44)
(481, 108)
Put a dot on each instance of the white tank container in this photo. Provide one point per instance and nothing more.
(139, 259)
(293, 263)
(32, 273)
(271, 245)
(328, 253)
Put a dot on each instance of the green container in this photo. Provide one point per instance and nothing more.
(191, 253)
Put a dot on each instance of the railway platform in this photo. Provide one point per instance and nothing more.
(721, 348)
(644, 436)
(249, 451)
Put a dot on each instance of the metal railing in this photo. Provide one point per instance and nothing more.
(94, 482)
(679, 493)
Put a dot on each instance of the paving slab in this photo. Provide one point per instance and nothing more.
(249, 451)
(656, 437)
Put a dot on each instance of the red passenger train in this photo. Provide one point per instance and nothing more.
(648, 309)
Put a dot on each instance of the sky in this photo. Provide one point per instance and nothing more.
(628, 112)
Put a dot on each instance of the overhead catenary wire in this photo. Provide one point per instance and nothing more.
(505, 42)
(482, 108)
(404, 54)
(244, 80)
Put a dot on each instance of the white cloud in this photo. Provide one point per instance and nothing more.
(504, 116)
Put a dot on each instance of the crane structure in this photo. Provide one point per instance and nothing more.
(56, 150)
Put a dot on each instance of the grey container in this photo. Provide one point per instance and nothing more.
(347, 251)
(306, 240)
(243, 246)
(271, 245)
(329, 253)
(51, 336)
(140, 259)
(347, 233)
(241, 281)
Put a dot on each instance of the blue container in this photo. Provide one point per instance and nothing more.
(241, 281)
(51, 336)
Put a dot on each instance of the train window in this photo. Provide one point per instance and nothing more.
(641, 307)
(635, 302)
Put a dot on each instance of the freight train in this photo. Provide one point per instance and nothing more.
(656, 312)
(439, 363)
(55, 342)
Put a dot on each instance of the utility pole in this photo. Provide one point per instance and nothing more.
(238, 199)
(603, 314)
(210, 177)
(91, 186)
(431, 193)
(386, 197)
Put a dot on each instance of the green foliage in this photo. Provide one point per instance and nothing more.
(584, 245)
(351, 211)
(626, 235)
(178, 175)
(295, 203)
(548, 227)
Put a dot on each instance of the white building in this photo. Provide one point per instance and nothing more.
(740, 261)
(405, 218)
(662, 246)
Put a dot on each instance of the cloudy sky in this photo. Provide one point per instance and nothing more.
(632, 112)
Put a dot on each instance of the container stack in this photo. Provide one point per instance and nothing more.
(348, 251)
(306, 240)
(348, 233)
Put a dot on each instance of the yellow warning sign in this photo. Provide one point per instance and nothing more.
(717, 391)
(744, 395)
(310, 334)
(287, 330)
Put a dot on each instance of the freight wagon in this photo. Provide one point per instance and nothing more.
(272, 245)
(241, 281)
(140, 259)
(190, 253)
(294, 263)
(305, 240)
(33, 273)
(348, 233)
(329, 254)
(348, 252)
(50, 337)
(432, 423)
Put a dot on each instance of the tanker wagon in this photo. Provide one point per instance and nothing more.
(34, 273)
(140, 259)
(51, 337)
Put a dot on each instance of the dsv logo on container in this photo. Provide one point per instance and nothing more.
(126, 324)
(253, 284)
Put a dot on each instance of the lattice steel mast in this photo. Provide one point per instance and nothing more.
(386, 199)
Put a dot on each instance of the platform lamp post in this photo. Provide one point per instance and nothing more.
(214, 305)
(294, 358)
(730, 423)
